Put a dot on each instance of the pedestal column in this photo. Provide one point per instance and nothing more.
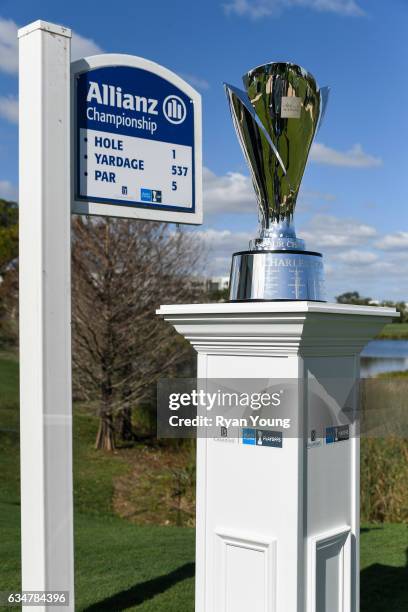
(278, 528)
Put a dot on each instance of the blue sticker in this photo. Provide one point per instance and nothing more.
(249, 436)
(146, 195)
(337, 434)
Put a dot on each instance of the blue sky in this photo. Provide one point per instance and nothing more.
(353, 205)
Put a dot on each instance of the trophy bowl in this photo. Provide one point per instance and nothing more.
(275, 119)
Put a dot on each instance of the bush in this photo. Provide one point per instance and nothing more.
(384, 480)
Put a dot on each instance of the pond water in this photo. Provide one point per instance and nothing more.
(384, 356)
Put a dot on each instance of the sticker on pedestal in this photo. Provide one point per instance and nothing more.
(262, 437)
(337, 434)
(313, 441)
(226, 435)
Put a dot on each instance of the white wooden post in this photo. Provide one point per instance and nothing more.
(45, 336)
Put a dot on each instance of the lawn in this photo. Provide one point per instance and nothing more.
(394, 331)
(384, 568)
(124, 566)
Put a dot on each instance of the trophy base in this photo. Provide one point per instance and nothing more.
(280, 275)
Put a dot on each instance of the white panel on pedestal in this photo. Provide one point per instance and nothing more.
(244, 574)
(329, 566)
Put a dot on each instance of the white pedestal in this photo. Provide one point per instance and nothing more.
(278, 529)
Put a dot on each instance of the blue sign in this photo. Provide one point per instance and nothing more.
(135, 139)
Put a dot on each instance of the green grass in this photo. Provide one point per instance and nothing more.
(394, 374)
(394, 331)
(94, 470)
(8, 378)
(120, 565)
(124, 566)
(384, 568)
(9, 430)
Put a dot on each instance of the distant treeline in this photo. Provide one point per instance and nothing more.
(353, 297)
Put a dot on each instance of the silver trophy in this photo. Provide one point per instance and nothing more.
(275, 119)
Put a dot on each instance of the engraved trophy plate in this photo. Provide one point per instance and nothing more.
(275, 119)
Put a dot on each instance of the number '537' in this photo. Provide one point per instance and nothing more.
(179, 170)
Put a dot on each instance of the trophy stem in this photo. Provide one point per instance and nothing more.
(277, 235)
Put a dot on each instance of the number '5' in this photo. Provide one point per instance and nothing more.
(173, 185)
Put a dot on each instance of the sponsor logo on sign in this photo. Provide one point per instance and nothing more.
(156, 196)
(151, 195)
(174, 109)
(146, 195)
(109, 95)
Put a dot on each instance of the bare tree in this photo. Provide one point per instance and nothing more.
(122, 271)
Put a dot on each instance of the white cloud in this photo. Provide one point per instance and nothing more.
(231, 192)
(7, 191)
(80, 46)
(330, 232)
(83, 47)
(353, 158)
(344, 242)
(316, 195)
(357, 257)
(352, 260)
(225, 241)
(393, 242)
(195, 81)
(9, 108)
(256, 9)
(8, 46)
(220, 245)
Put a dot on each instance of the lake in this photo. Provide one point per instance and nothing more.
(384, 356)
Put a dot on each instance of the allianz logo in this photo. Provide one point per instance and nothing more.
(109, 95)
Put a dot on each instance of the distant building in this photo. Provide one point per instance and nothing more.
(218, 283)
(214, 283)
